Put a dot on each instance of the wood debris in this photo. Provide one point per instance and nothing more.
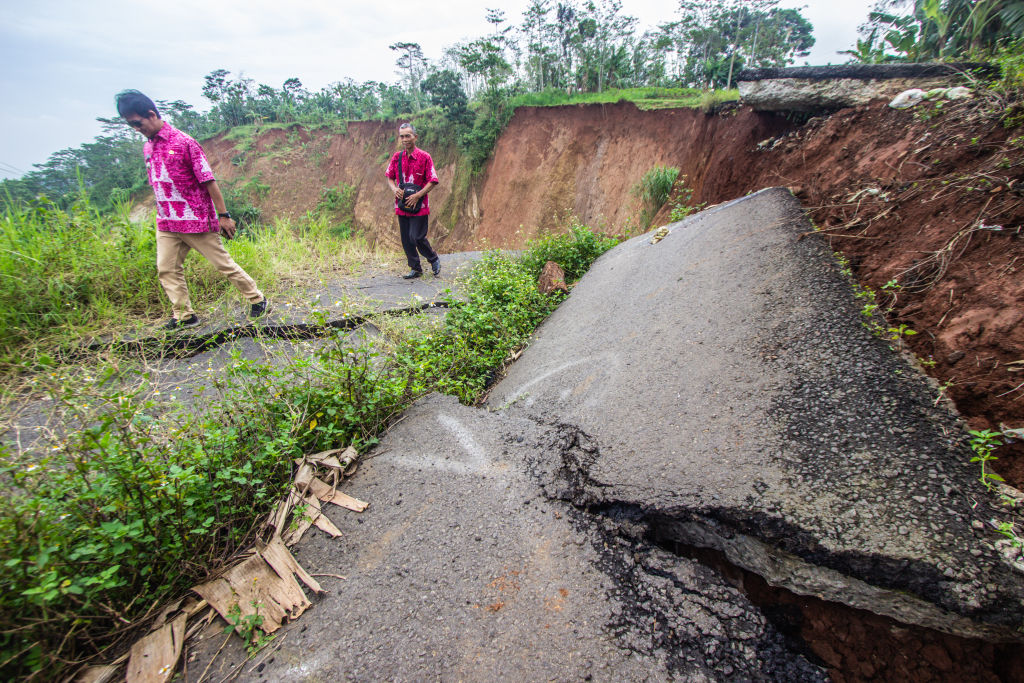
(154, 658)
(266, 582)
(98, 674)
(255, 587)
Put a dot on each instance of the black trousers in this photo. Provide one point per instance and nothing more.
(414, 237)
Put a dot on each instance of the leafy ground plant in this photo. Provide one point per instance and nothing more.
(574, 252)
(983, 443)
(681, 207)
(249, 628)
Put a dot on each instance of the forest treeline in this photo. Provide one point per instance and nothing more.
(555, 52)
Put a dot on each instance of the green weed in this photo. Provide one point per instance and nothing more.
(983, 443)
(574, 251)
(249, 627)
(338, 203)
(653, 191)
(681, 208)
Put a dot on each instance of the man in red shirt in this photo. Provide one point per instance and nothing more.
(190, 209)
(418, 168)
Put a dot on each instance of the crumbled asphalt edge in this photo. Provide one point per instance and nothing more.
(868, 72)
(886, 389)
(649, 585)
(181, 346)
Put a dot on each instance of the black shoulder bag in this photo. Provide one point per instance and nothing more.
(407, 190)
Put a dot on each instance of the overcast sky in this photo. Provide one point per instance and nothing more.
(64, 60)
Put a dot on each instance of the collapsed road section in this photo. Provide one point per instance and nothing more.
(740, 405)
(712, 389)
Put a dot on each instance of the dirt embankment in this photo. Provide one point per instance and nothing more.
(911, 200)
(549, 165)
(929, 212)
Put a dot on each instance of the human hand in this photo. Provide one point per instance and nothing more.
(399, 194)
(411, 200)
(227, 227)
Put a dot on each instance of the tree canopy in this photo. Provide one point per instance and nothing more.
(574, 46)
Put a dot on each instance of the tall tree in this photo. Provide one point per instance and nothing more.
(445, 90)
(411, 64)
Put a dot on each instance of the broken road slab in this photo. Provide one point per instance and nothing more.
(727, 396)
(462, 569)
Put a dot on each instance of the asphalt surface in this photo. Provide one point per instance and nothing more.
(182, 367)
(737, 402)
(463, 568)
(715, 389)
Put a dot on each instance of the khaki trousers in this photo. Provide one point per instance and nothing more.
(171, 250)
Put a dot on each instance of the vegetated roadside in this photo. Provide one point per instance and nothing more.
(67, 276)
(115, 518)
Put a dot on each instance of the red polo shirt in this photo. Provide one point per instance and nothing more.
(417, 168)
(176, 165)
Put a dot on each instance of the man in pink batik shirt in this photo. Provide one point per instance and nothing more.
(190, 211)
(417, 168)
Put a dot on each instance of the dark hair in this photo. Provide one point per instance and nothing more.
(134, 102)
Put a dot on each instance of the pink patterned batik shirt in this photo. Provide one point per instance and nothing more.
(417, 168)
(176, 165)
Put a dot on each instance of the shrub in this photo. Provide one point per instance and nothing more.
(681, 207)
(61, 270)
(133, 508)
(574, 252)
(499, 312)
(69, 274)
(1010, 86)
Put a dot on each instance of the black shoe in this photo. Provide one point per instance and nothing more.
(412, 275)
(174, 323)
(258, 309)
(436, 267)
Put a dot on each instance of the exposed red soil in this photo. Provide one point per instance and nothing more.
(556, 162)
(856, 645)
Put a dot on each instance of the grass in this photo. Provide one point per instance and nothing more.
(653, 191)
(644, 98)
(101, 524)
(69, 276)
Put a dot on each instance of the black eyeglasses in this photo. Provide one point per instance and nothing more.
(135, 124)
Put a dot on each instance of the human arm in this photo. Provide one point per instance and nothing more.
(227, 225)
(395, 188)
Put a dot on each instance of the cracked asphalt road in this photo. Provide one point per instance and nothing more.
(716, 389)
